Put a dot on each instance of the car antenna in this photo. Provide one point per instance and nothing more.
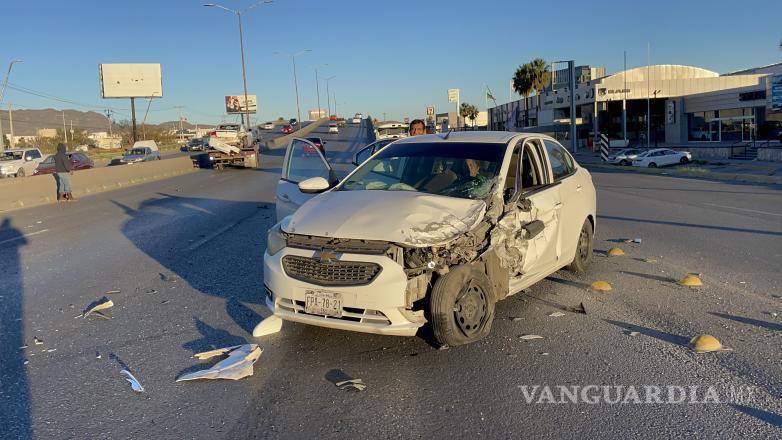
(445, 138)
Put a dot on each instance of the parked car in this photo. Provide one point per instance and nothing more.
(624, 157)
(333, 128)
(142, 151)
(293, 122)
(318, 142)
(268, 126)
(429, 229)
(19, 162)
(660, 157)
(287, 129)
(79, 161)
(364, 153)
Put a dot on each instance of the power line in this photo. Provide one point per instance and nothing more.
(46, 95)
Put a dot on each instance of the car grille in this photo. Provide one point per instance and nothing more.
(335, 273)
(341, 245)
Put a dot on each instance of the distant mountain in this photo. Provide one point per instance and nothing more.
(27, 122)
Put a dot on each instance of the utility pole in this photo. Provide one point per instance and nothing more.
(317, 90)
(71, 130)
(108, 116)
(2, 94)
(133, 117)
(11, 122)
(335, 103)
(648, 103)
(64, 131)
(624, 103)
(179, 107)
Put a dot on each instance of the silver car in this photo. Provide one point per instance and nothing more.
(624, 157)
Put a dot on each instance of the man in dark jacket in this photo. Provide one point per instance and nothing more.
(62, 174)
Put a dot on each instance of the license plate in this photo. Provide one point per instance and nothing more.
(322, 302)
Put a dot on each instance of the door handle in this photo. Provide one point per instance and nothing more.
(284, 197)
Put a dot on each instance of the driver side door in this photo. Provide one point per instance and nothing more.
(303, 160)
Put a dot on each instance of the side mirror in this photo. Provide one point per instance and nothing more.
(313, 185)
(534, 228)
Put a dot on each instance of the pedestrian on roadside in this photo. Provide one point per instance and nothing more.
(417, 128)
(62, 174)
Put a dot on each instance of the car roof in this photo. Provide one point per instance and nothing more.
(482, 137)
(19, 150)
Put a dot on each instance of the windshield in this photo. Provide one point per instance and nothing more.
(136, 152)
(463, 170)
(11, 155)
(392, 131)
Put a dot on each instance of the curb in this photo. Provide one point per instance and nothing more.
(692, 173)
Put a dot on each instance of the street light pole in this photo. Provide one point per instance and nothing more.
(328, 94)
(295, 78)
(238, 13)
(317, 86)
(2, 95)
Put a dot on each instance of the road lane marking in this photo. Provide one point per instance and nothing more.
(744, 209)
(24, 236)
(211, 237)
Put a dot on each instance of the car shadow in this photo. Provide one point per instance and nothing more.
(566, 282)
(657, 334)
(766, 416)
(15, 404)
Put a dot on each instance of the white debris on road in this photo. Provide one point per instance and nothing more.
(268, 326)
(134, 383)
(237, 365)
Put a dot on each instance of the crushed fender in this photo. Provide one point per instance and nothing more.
(134, 383)
(237, 365)
(268, 326)
(96, 307)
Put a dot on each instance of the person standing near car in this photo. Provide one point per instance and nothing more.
(417, 128)
(62, 174)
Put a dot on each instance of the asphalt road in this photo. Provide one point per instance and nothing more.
(205, 233)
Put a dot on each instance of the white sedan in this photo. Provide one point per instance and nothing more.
(268, 126)
(333, 128)
(430, 228)
(660, 157)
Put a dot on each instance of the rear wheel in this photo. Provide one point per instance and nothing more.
(20, 172)
(652, 165)
(624, 162)
(583, 249)
(684, 160)
(461, 306)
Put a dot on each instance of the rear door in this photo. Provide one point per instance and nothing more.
(571, 190)
(303, 160)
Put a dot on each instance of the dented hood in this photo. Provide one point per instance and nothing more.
(410, 218)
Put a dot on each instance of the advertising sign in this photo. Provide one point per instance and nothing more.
(234, 104)
(430, 111)
(776, 93)
(131, 81)
(453, 95)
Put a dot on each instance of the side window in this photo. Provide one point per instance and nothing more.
(561, 163)
(305, 161)
(511, 179)
(32, 154)
(364, 154)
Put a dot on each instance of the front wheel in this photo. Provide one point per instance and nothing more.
(584, 249)
(461, 306)
(652, 165)
(684, 160)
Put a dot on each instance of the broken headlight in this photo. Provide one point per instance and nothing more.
(275, 241)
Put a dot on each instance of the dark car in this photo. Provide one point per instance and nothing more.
(287, 129)
(196, 144)
(293, 122)
(79, 161)
(320, 143)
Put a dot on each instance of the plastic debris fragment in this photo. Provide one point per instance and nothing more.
(134, 383)
(530, 337)
(37, 341)
(237, 365)
(356, 384)
(113, 291)
(101, 304)
(601, 286)
(556, 314)
(268, 326)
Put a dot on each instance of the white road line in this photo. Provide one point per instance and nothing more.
(743, 209)
(24, 236)
(210, 237)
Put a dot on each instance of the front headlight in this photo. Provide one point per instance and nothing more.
(275, 241)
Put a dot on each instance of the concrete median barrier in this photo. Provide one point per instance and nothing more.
(40, 190)
(284, 140)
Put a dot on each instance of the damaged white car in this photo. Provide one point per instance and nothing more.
(434, 228)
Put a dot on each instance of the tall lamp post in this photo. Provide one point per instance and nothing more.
(317, 85)
(238, 14)
(328, 96)
(295, 79)
(2, 95)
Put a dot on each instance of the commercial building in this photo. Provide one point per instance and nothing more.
(729, 115)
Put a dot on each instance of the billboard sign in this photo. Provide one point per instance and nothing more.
(776, 93)
(453, 95)
(430, 111)
(131, 81)
(234, 104)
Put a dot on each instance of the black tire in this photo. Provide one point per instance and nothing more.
(20, 172)
(652, 165)
(624, 163)
(461, 306)
(684, 160)
(584, 249)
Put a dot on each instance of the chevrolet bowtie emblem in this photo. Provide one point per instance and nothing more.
(327, 256)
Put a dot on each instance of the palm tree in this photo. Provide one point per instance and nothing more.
(473, 114)
(533, 76)
(464, 110)
(541, 77)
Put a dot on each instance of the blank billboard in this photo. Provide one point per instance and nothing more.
(131, 80)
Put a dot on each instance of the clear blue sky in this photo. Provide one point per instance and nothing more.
(393, 57)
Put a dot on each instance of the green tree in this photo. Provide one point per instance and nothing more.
(533, 76)
(468, 111)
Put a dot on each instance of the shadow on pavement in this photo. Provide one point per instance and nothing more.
(757, 323)
(648, 276)
(657, 334)
(768, 417)
(15, 418)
